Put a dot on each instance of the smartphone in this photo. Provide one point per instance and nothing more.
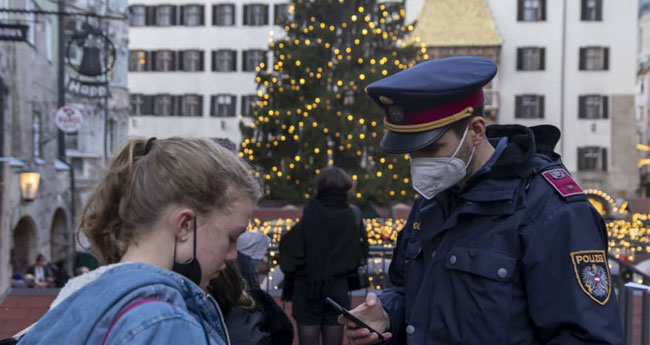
(351, 317)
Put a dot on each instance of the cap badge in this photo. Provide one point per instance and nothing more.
(395, 114)
(386, 100)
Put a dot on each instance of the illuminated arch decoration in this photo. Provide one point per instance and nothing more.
(602, 202)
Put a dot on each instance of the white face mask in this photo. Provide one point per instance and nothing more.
(432, 175)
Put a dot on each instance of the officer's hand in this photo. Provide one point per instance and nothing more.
(373, 314)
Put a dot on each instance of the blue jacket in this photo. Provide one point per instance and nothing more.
(184, 314)
(518, 256)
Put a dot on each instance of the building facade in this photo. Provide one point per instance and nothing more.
(192, 66)
(105, 120)
(571, 64)
(28, 141)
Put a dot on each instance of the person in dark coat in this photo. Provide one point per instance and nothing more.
(502, 246)
(318, 255)
(252, 315)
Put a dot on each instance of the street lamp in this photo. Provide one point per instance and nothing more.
(29, 181)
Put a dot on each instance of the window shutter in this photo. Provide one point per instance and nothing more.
(202, 15)
(179, 106)
(583, 10)
(147, 105)
(581, 158)
(174, 16)
(605, 107)
(542, 3)
(517, 106)
(200, 110)
(246, 11)
(173, 62)
(234, 60)
(266, 14)
(242, 102)
(212, 101)
(201, 60)
(606, 58)
(214, 15)
(542, 59)
(232, 15)
(520, 59)
(582, 102)
(582, 63)
(245, 61)
(520, 10)
(149, 15)
(233, 105)
(182, 19)
(153, 61)
(214, 61)
(181, 60)
(604, 154)
(540, 101)
(599, 10)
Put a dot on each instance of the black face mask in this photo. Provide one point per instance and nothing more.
(190, 269)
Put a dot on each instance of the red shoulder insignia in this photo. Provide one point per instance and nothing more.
(562, 182)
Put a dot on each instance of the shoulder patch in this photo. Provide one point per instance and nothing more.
(592, 272)
(562, 182)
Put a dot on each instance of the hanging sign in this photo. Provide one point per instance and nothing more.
(13, 32)
(88, 89)
(68, 118)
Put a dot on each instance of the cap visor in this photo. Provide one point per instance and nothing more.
(394, 142)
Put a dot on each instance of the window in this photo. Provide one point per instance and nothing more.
(191, 60)
(138, 61)
(4, 4)
(222, 105)
(223, 15)
(192, 105)
(137, 16)
(72, 141)
(165, 15)
(163, 105)
(593, 107)
(592, 158)
(77, 166)
(141, 104)
(48, 40)
(594, 59)
(37, 128)
(163, 60)
(531, 10)
(256, 15)
(192, 15)
(224, 60)
(281, 14)
(253, 58)
(30, 19)
(248, 104)
(592, 10)
(529, 107)
(531, 59)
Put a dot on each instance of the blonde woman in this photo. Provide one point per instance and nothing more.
(165, 218)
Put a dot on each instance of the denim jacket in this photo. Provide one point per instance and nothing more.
(183, 314)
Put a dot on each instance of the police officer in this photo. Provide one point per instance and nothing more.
(502, 247)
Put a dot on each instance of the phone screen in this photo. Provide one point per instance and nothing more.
(352, 317)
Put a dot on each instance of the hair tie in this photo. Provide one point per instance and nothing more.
(149, 145)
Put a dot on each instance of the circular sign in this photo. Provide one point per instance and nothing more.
(68, 119)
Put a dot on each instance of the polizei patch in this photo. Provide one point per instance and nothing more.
(592, 273)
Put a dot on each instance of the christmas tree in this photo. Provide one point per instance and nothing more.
(312, 109)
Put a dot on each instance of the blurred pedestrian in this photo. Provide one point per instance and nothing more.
(42, 273)
(165, 218)
(319, 253)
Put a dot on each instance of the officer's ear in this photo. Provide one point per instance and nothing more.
(477, 126)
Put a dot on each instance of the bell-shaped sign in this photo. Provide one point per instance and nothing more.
(91, 62)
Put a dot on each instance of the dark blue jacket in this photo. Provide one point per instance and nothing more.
(508, 259)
